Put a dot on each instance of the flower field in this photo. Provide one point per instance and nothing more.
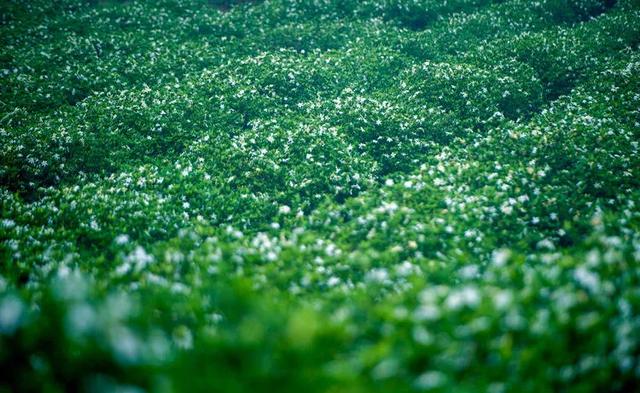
(333, 196)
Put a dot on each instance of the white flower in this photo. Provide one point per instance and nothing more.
(467, 296)
(430, 380)
(11, 314)
(333, 281)
(183, 338)
(122, 239)
(139, 258)
(284, 209)
(379, 275)
(94, 225)
(439, 182)
(546, 243)
(502, 299)
(506, 209)
(8, 224)
(427, 312)
(387, 207)
(406, 268)
(469, 271)
(587, 279)
(500, 257)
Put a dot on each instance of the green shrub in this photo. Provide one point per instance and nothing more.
(287, 195)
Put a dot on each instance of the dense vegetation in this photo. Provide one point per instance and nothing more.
(320, 196)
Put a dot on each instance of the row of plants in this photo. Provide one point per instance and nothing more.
(422, 201)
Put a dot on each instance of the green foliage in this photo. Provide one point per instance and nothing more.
(323, 196)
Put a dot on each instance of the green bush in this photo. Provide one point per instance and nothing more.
(329, 196)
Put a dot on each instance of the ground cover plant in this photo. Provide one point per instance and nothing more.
(320, 196)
